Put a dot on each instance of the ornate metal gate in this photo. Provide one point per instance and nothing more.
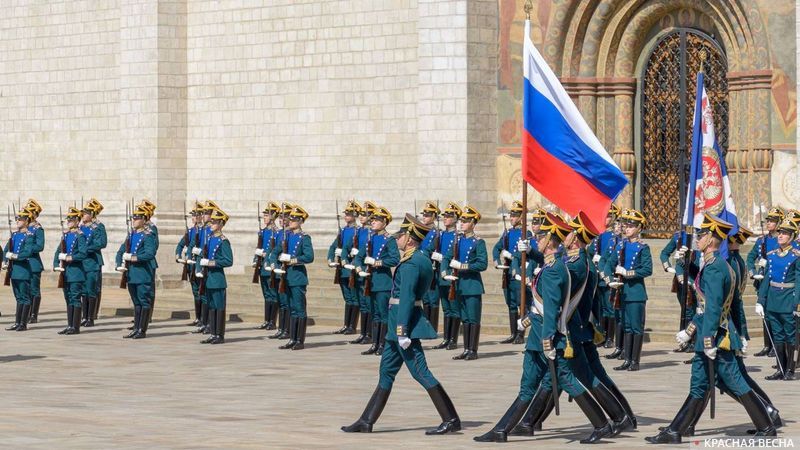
(669, 83)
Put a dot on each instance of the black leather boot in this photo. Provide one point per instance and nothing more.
(371, 413)
(37, 302)
(346, 314)
(220, 320)
(606, 399)
(636, 352)
(144, 323)
(520, 339)
(24, 314)
(628, 351)
(201, 327)
(538, 405)
(619, 339)
(363, 335)
(624, 402)
(444, 406)
(500, 431)
(512, 321)
(780, 355)
(448, 325)
(467, 334)
(197, 313)
(611, 329)
(292, 334)
(376, 331)
(84, 309)
(137, 316)
(767, 346)
(474, 340)
(281, 324)
(682, 421)
(352, 320)
(274, 309)
(17, 318)
(90, 303)
(263, 325)
(381, 338)
(302, 324)
(454, 331)
(434, 320)
(212, 324)
(758, 414)
(790, 362)
(76, 321)
(592, 410)
(69, 321)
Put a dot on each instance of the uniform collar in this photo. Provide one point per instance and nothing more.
(469, 235)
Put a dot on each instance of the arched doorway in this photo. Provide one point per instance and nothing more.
(667, 106)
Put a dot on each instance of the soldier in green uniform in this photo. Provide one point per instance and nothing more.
(269, 288)
(183, 255)
(72, 262)
(465, 261)
(757, 261)
(217, 257)
(18, 253)
(284, 308)
(429, 216)
(346, 278)
(134, 261)
(779, 298)
(718, 340)
(350, 250)
(36, 261)
(452, 313)
(374, 263)
(299, 252)
(602, 309)
(626, 268)
(547, 340)
(150, 207)
(96, 240)
(407, 326)
(503, 254)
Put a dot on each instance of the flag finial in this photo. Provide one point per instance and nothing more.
(528, 8)
(703, 56)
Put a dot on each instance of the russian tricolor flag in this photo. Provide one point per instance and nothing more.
(561, 156)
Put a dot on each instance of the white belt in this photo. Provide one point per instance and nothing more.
(396, 301)
(781, 285)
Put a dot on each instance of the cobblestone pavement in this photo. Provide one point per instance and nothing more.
(168, 391)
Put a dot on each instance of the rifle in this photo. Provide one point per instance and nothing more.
(10, 247)
(451, 294)
(284, 249)
(505, 247)
(368, 280)
(123, 282)
(338, 272)
(259, 260)
(185, 271)
(435, 244)
(63, 246)
(616, 294)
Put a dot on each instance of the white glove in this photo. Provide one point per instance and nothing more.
(125, 256)
(198, 274)
(671, 270)
(259, 252)
(615, 284)
(506, 254)
(363, 274)
(537, 270)
(518, 277)
(284, 257)
(353, 252)
(760, 310)
(61, 256)
(796, 313)
(204, 262)
(744, 345)
(758, 276)
(349, 266)
(332, 264)
(5, 267)
(455, 264)
(118, 269)
(523, 245)
(596, 259)
(761, 262)
(369, 260)
(520, 326)
(551, 355)
(404, 342)
(12, 256)
(699, 310)
(711, 353)
(191, 262)
(337, 253)
(682, 337)
(180, 260)
(196, 251)
(436, 256)
(619, 270)
(450, 277)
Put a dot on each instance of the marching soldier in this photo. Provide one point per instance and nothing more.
(626, 268)
(134, 261)
(452, 312)
(18, 253)
(676, 247)
(203, 234)
(350, 252)
(547, 341)
(407, 326)
(778, 296)
(217, 257)
(284, 308)
(293, 258)
(183, 255)
(36, 261)
(502, 254)
(374, 264)
(269, 288)
(430, 304)
(757, 261)
(717, 341)
(150, 207)
(70, 259)
(96, 240)
(346, 278)
(602, 309)
(465, 261)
